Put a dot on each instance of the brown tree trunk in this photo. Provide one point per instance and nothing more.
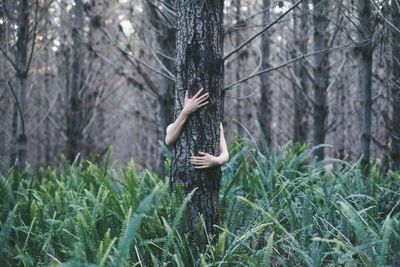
(265, 110)
(199, 63)
(395, 127)
(21, 60)
(321, 73)
(365, 80)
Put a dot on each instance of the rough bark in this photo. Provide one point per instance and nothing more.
(321, 73)
(21, 60)
(395, 87)
(365, 79)
(300, 94)
(74, 113)
(265, 110)
(199, 64)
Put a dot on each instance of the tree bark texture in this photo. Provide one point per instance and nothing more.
(265, 110)
(199, 64)
(395, 127)
(321, 73)
(365, 79)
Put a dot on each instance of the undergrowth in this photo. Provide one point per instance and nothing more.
(277, 208)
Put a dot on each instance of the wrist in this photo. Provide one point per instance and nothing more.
(185, 113)
(217, 161)
(222, 159)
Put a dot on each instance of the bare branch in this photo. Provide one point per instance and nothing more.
(134, 60)
(9, 59)
(261, 31)
(358, 44)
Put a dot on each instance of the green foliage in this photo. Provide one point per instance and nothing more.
(277, 208)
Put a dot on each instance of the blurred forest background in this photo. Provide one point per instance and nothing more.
(93, 74)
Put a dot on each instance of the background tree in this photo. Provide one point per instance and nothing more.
(365, 28)
(265, 110)
(321, 73)
(395, 85)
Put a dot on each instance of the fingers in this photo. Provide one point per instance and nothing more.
(203, 97)
(201, 167)
(187, 94)
(202, 100)
(202, 105)
(197, 158)
(200, 164)
(198, 93)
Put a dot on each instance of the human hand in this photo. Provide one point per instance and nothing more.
(194, 103)
(204, 161)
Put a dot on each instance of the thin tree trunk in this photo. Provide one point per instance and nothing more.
(48, 142)
(13, 154)
(21, 58)
(74, 134)
(4, 106)
(300, 99)
(321, 73)
(341, 124)
(395, 127)
(365, 81)
(199, 64)
(238, 69)
(166, 41)
(265, 110)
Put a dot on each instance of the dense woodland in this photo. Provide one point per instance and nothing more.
(93, 74)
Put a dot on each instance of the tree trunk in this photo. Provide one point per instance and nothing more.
(395, 127)
(199, 63)
(321, 73)
(74, 134)
(300, 94)
(365, 80)
(238, 70)
(265, 110)
(46, 86)
(4, 104)
(21, 58)
(166, 42)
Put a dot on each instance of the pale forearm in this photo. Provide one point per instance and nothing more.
(222, 158)
(174, 130)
